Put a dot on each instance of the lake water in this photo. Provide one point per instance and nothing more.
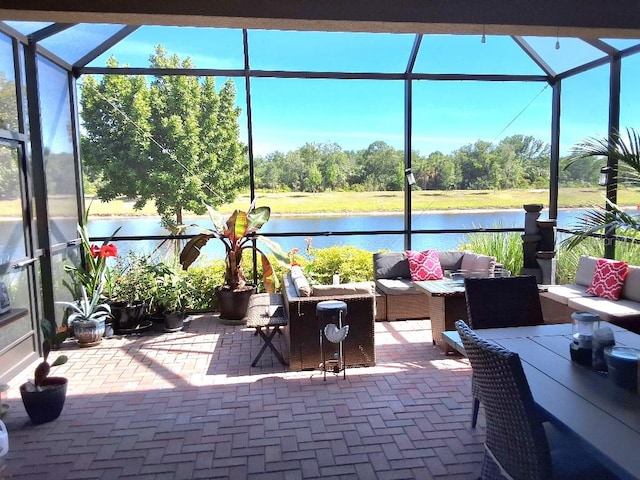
(351, 223)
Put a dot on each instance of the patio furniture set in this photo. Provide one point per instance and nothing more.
(395, 289)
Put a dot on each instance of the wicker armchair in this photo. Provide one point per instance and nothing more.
(518, 445)
(303, 333)
(500, 302)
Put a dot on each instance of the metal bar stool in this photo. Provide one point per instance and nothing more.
(330, 315)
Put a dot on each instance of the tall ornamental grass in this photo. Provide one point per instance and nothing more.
(505, 246)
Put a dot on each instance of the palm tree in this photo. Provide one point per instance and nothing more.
(623, 150)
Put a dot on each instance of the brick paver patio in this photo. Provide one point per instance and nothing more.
(189, 405)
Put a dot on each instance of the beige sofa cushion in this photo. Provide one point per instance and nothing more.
(586, 270)
(562, 293)
(300, 282)
(631, 288)
(352, 288)
(474, 262)
(607, 310)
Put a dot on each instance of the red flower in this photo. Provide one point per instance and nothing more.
(109, 250)
(95, 251)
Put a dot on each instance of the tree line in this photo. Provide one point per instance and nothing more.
(518, 161)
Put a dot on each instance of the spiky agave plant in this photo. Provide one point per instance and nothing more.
(88, 310)
(611, 219)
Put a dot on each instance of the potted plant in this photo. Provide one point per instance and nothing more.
(170, 295)
(88, 318)
(132, 282)
(44, 396)
(237, 233)
(93, 273)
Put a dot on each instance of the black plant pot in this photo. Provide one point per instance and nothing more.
(126, 315)
(233, 305)
(174, 321)
(45, 406)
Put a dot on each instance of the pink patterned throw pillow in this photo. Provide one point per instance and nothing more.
(608, 278)
(424, 265)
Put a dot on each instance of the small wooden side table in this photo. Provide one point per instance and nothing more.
(266, 311)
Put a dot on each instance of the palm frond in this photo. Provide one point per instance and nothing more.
(600, 220)
(623, 149)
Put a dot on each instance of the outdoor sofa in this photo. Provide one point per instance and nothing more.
(560, 301)
(303, 331)
(394, 288)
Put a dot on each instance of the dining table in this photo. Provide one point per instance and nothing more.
(575, 396)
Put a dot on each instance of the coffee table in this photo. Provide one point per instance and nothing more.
(447, 304)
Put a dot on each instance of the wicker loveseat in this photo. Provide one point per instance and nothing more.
(303, 331)
(395, 288)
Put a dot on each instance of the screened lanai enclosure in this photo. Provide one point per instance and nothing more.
(396, 88)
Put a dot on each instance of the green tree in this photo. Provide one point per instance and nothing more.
(436, 172)
(173, 141)
(382, 167)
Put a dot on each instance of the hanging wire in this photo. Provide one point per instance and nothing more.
(521, 112)
(558, 39)
(484, 36)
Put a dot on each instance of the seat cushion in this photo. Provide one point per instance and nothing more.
(397, 287)
(571, 458)
(562, 293)
(352, 288)
(608, 310)
(631, 288)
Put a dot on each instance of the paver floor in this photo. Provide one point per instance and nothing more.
(189, 405)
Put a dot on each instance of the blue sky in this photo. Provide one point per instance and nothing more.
(447, 114)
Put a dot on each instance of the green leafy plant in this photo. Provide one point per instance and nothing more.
(133, 278)
(172, 291)
(93, 273)
(204, 281)
(624, 151)
(49, 334)
(238, 233)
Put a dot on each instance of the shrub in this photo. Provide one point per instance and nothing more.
(204, 280)
(353, 264)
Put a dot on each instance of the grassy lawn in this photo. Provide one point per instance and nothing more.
(295, 203)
